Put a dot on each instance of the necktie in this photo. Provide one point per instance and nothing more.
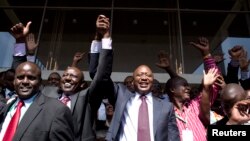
(143, 133)
(65, 100)
(11, 129)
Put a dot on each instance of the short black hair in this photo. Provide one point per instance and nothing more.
(175, 82)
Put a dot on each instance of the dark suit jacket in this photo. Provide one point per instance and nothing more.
(84, 104)
(46, 119)
(165, 127)
(232, 74)
(245, 84)
(164, 122)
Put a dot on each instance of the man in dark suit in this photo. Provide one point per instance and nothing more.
(162, 122)
(40, 118)
(84, 103)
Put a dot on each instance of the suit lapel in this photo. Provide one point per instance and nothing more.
(157, 106)
(29, 116)
(4, 112)
(124, 102)
(73, 101)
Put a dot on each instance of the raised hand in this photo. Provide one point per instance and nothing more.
(31, 44)
(19, 31)
(210, 77)
(220, 82)
(236, 52)
(240, 112)
(102, 26)
(77, 57)
(163, 59)
(202, 45)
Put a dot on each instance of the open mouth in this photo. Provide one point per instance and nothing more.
(143, 85)
(187, 94)
(67, 85)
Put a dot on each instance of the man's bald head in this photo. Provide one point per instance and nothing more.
(27, 65)
(231, 94)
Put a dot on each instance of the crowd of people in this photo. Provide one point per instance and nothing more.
(68, 108)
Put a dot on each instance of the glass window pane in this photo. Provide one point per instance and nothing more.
(207, 4)
(65, 33)
(75, 4)
(24, 2)
(138, 37)
(145, 4)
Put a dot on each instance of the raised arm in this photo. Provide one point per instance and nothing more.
(209, 79)
(101, 81)
(102, 31)
(244, 64)
(203, 46)
(164, 63)
(31, 47)
(77, 58)
(233, 66)
(19, 32)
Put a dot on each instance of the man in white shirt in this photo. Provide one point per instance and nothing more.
(124, 125)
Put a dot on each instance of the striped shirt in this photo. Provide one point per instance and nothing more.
(208, 64)
(189, 117)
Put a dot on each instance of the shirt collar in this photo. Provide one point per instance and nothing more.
(184, 109)
(7, 90)
(63, 95)
(149, 97)
(27, 102)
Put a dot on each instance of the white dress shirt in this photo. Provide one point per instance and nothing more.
(96, 46)
(20, 50)
(130, 118)
(12, 111)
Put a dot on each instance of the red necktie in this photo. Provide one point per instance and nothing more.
(143, 133)
(65, 100)
(11, 129)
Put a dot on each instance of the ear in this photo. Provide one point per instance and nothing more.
(82, 85)
(172, 90)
